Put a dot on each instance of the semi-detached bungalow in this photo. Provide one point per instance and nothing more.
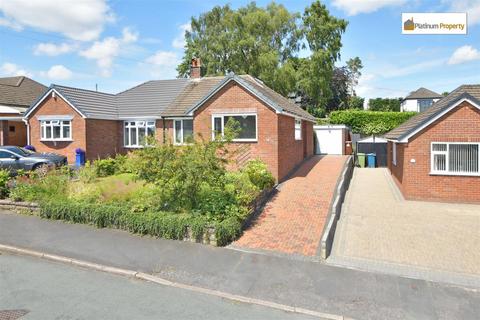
(273, 128)
(436, 154)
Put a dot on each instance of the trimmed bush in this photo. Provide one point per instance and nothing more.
(105, 167)
(159, 224)
(358, 120)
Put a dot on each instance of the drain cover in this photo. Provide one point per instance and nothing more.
(12, 314)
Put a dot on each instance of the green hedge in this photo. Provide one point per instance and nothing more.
(159, 224)
(357, 119)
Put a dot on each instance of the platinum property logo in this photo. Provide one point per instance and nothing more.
(434, 23)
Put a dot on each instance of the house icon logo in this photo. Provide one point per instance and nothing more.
(409, 25)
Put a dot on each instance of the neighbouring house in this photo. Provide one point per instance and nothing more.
(273, 128)
(16, 95)
(419, 100)
(435, 154)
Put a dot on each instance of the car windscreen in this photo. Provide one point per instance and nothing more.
(22, 151)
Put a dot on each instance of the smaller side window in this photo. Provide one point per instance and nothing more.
(394, 154)
(6, 155)
(298, 129)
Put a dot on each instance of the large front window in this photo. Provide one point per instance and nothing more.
(136, 133)
(183, 131)
(424, 104)
(455, 158)
(246, 123)
(56, 130)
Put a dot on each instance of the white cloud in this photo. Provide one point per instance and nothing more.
(11, 69)
(179, 41)
(79, 20)
(51, 49)
(58, 72)
(353, 7)
(164, 64)
(106, 50)
(394, 71)
(471, 7)
(464, 54)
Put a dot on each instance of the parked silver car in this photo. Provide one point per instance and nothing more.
(15, 158)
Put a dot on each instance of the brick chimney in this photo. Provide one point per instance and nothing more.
(195, 68)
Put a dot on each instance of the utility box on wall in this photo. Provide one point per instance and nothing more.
(331, 139)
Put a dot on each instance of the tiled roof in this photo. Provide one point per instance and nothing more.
(19, 92)
(92, 104)
(423, 93)
(150, 98)
(417, 121)
(169, 98)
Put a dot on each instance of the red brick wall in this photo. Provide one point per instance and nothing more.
(460, 125)
(291, 151)
(57, 106)
(102, 138)
(233, 98)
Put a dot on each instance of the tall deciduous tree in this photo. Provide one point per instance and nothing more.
(265, 43)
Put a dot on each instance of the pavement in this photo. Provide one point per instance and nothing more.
(379, 230)
(49, 290)
(293, 220)
(304, 284)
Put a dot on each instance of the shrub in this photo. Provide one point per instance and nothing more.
(227, 231)
(259, 174)
(87, 173)
(358, 120)
(105, 167)
(4, 179)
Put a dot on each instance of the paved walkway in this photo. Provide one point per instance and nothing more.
(292, 222)
(312, 285)
(379, 230)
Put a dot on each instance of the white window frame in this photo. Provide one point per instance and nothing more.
(447, 171)
(223, 115)
(55, 123)
(127, 125)
(181, 131)
(394, 153)
(298, 129)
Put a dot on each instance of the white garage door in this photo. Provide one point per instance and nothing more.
(329, 140)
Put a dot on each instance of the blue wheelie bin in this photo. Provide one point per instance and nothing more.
(371, 159)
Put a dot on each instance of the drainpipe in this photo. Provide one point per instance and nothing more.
(28, 130)
(164, 130)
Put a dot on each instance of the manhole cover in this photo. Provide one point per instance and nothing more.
(12, 314)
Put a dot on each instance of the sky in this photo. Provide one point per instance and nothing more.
(117, 44)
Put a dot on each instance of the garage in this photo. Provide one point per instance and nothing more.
(332, 139)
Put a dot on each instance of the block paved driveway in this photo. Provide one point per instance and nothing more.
(292, 221)
(378, 229)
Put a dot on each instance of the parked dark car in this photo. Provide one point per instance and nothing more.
(16, 158)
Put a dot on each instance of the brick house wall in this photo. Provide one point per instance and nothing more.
(462, 124)
(102, 138)
(266, 148)
(57, 106)
(17, 136)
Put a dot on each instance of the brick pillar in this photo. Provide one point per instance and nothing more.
(3, 132)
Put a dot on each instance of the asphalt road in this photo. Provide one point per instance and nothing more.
(49, 290)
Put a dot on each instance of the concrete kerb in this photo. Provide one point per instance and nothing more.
(164, 282)
(341, 188)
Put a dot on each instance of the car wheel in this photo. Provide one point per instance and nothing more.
(41, 169)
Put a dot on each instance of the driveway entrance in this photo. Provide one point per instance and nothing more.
(380, 230)
(292, 221)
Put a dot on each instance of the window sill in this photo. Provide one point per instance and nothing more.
(455, 174)
(244, 140)
(134, 147)
(298, 139)
(56, 140)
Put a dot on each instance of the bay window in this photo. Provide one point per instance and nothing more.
(183, 131)
(455, 158)
(246, 123)
(56, 130)
(136, 133)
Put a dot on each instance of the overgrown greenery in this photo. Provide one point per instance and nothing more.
(266, 43)
(369, 122)
(162, 190)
